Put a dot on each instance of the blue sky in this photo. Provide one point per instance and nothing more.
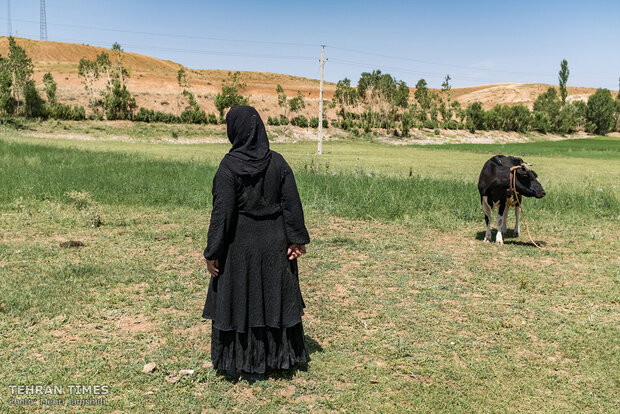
(476, 42)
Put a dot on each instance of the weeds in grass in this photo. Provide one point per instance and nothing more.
(89, 209)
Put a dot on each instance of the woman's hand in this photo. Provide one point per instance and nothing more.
(212, 267)
(295, 250)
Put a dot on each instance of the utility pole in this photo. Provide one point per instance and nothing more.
(320, 150)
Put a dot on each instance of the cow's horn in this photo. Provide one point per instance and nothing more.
(526, 165)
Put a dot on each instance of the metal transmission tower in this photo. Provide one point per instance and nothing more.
(9, 27)
(43, 21)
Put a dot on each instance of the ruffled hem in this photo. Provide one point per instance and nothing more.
(258, 349)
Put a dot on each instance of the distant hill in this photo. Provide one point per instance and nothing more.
(153, 81)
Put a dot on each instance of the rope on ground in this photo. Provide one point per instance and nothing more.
(513, 189)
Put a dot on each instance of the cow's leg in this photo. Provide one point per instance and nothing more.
(517, 230)
(486, 208)
(500, 222)
(505, 218)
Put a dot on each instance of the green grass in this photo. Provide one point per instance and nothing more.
(114, 178)
(600, 148)
(407, 309)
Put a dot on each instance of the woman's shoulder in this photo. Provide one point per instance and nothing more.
(276, 156)
(279, 161)
(224, 170)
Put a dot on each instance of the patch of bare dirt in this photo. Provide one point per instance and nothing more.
(135, 324)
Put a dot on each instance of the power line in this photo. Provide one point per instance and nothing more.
(409, 71)
(43, 23)
(287, 57)
(192, 51)
(452, 65)
(220, 39)
(8, 13)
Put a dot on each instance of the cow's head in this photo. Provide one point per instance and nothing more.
(527, 183)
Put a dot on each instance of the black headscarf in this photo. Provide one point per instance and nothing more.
(250, 153)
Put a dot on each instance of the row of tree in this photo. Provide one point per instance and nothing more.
(19, 95)
(381, 102)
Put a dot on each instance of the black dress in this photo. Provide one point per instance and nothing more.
(255, 303)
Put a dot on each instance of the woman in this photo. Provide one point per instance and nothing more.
(256, 234)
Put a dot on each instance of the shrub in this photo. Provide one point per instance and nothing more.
(194, 115)
(300, 121)
(230, 95)
(325, 123)
(520, 118)
(601, 109)
(451, 124)
(550, 104)
(540, 122)
(283, 120)
(7, 102)
(33, 103)
(429, 124)
(65, 112)
(297, 103)
(118, 102)
(569, 119)
(406, 122)
(50, 87)
(212, 118)
(314, 122)
(475, 116)
(149, 115)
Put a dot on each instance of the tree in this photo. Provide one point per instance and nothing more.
(446, 108)
(446, 88)
(345, 94)
(475, 116)
(121, 70)
(422, 94)
(50, 87)
(563, 78)
(601, 108)
(21, 69)
(618, 107)
(570, 119)
(282, 100)
(297, 103)
(193, 114)
(230, 95)
(7, 102)
(182, 78)
(401, 98)
(88, 71)
(118, 102)
(33, 104)
(549, 104)
(104, 66)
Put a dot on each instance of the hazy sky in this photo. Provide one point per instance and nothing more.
(476, 42)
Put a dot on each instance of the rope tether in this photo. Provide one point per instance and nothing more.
(513, 189)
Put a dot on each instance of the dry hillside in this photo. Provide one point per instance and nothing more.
(154, 84)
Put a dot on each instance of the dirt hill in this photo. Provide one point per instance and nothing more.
(153, 82)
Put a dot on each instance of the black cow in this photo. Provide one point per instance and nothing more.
(494, 187)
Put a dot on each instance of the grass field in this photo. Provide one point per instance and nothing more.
(407, 309)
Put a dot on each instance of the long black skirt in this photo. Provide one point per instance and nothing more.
(258, 349)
